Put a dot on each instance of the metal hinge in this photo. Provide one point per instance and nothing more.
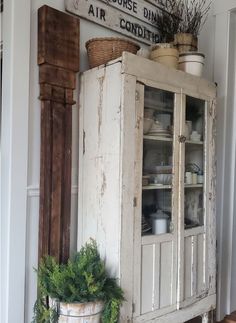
(135, 202)
(210, 196)
(172, 227)
(83, 142)
(137, 96)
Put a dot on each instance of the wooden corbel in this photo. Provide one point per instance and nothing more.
(58, 59)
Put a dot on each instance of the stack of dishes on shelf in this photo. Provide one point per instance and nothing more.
(158, 129)
(146, 227)
(156, 124)
(159, 175)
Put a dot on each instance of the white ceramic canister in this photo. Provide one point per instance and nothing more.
(191, 62)
(160, 222)
(194, 178)
(200, 178)
(188, 178)
(186, 132)
(190, 126)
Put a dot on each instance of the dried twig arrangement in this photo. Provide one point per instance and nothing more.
(181, 16)
(194, 15)
(168, 20)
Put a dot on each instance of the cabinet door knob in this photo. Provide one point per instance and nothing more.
(182, 139)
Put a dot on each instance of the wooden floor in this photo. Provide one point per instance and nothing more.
(195, 320)
(230, 318)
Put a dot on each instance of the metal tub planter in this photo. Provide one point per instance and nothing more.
(78, 291)
(80, 312)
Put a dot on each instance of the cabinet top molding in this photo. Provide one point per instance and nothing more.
(133, 18)
(178, 81)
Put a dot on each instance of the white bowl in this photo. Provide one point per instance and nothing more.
(192, 63)
(164, 179)
(147, 124)
(143, 52)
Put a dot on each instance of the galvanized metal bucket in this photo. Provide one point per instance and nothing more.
(80, 312)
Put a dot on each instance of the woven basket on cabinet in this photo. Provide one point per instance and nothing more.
(102, 50)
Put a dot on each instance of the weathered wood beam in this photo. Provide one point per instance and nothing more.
(58, 59)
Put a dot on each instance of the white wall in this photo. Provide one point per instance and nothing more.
(219, 41)
(224, 73)
(14, 148)
(206, 44)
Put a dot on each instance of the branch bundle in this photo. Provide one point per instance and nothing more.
(181, 16)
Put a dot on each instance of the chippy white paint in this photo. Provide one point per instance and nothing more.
(111, 189)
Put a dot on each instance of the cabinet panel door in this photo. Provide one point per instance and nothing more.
(156, 293)
(194, 203)
(156, 218)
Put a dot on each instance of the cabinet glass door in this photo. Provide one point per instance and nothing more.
(158, 272)
(194, 205)
(157, 162)
(194, 163)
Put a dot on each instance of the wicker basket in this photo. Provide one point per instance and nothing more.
(102, 50)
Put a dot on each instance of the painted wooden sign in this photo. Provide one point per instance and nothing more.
(135, 19)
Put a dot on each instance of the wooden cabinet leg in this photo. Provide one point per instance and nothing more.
(205, 318)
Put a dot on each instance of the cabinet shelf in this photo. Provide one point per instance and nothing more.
(148, 239)
(157, 138)
(190, 142)
(193, 185)
(157, 187)
(160, 107)
(188, 232)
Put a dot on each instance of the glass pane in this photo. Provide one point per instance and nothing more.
(157, 161)
(194, 162)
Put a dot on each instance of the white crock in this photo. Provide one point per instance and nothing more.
(191, 63)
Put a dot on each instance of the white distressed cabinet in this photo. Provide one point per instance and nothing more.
(148, 195)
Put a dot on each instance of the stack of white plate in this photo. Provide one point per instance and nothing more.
(145, 225)
(158, 129)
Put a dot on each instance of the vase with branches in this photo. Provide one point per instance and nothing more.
(194, 14)
(182, 21)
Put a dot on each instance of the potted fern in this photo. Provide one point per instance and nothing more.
(78, 291)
